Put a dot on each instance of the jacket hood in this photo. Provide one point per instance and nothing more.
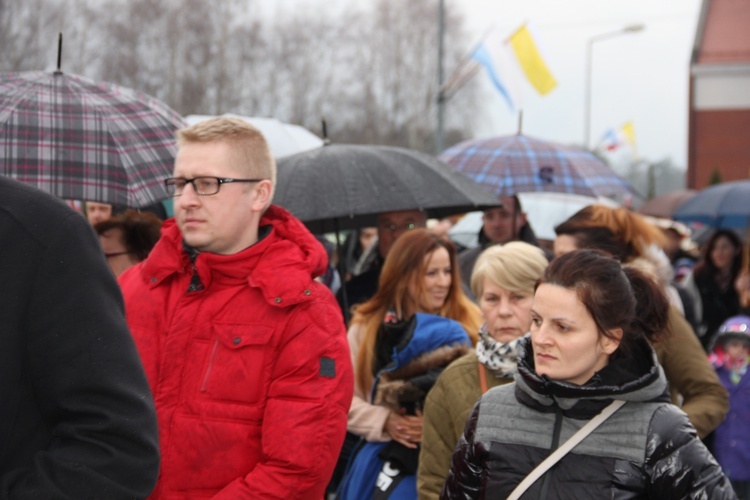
(634, 377)
(282, 264)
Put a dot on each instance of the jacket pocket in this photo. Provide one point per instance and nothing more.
(237, 365)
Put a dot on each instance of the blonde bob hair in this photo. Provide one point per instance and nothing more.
(403, 272)
(515, 266)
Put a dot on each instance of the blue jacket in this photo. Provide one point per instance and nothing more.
(426, 333)
(731, 438)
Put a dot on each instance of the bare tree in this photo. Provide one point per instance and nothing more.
(369, 68)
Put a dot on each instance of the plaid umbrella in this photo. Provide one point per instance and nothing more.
(84, 140)
(520, 164)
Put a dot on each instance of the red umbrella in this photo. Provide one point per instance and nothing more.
(663, 205)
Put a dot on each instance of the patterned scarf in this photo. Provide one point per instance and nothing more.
(501, 359)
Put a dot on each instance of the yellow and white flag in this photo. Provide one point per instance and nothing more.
(530, 59)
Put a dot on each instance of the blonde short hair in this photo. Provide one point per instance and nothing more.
(253, 155)
(515, 266)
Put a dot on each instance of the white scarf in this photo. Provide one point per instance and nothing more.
(501, 359)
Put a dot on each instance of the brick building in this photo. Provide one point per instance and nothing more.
(719, 117)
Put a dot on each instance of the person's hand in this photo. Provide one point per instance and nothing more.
(405, 429)
(742, 285)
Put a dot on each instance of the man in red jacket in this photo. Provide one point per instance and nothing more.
(245, 352)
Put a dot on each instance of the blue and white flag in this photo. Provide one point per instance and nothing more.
(496, 55)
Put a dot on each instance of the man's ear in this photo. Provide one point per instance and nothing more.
(522, 217)
(263, 197)
(610, 344)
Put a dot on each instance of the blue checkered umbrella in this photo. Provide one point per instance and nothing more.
(85, 140)
(516, 164)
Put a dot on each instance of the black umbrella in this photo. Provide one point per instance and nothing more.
(345, 186)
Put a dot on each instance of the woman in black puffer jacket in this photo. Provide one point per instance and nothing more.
(587, 348)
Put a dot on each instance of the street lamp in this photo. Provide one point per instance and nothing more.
(633, 28)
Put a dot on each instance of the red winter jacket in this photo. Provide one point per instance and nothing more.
(251, 374)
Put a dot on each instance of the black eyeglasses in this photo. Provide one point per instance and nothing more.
(398, 227)
(203, 186)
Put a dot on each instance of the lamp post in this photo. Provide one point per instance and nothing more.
(440, 97)
(633, 28)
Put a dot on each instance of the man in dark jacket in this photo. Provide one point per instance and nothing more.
(76, 416)
(245, 352)
(499, 226)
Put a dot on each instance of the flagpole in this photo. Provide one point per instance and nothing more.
(458, 77)
(633, 28)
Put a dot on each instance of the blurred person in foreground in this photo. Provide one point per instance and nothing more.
(588, 350)
(730, 357)
(128, 238)
(77, 418)
(630, 239)
(417, 322)
(503, 280)
(97, 212)
(246, 353)
(500, 225)
(357, 242)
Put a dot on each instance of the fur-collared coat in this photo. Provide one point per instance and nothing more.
(367, 415)
(421, 350)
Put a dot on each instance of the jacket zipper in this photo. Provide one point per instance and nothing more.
(555, 445)
(210, 365)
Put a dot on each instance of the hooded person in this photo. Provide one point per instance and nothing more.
(245, 351)
(730, 356)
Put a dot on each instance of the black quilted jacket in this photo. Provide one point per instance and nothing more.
(647, 449)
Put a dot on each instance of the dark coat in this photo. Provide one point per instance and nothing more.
(76, 416)
(468, 257)
(647, 449)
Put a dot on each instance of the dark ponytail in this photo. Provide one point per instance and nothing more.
(652, 305)
(614, 297)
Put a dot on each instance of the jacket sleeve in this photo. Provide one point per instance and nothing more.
(305, 418)
(689, 373)
(438, 441)
(365, 419)
(86, 377)
(465, 476)
(678, 465)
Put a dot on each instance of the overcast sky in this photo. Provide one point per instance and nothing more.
(641, 77)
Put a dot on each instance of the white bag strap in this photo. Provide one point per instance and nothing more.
(563, 450)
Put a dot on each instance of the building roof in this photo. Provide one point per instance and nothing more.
(723, 36)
